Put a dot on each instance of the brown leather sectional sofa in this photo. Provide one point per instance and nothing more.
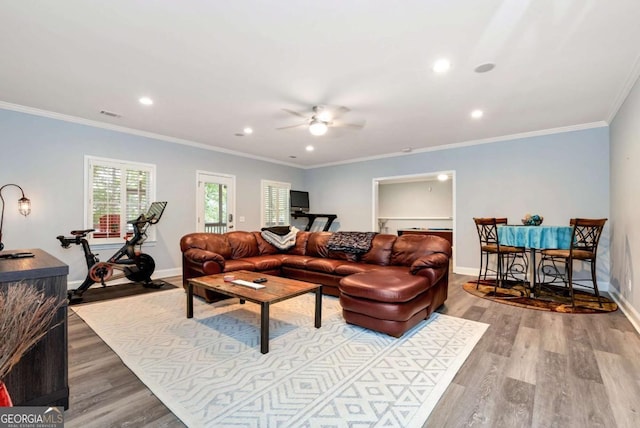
(390, 288)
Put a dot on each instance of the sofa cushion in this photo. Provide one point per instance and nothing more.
(341, 255)
(402, 311)
(324, 265)
(349, 268)
(409, 247)
(301, 244)
(295, 261)
(317, 244)
(385, 285)
(239, 264)
(433, 261)
(213, 242)
(380, 252)
(201, 256)
(261, 263)
(243, 244)
(263, 246)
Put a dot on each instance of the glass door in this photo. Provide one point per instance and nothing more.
(215, 202)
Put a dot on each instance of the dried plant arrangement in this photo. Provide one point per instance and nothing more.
(25, 317)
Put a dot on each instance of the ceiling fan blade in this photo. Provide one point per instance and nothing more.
(357, 126)
(295, 113)
(339, 111)
(292, 126)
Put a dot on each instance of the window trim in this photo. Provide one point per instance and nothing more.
(90, 160)
(263, 186)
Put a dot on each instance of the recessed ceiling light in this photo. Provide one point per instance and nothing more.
(483, 68)
(146, 101)
(443, 177)
(309, 148)
(247, 131)
(477, 114)
(442, 65)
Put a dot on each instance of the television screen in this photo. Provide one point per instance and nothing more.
(299, 201)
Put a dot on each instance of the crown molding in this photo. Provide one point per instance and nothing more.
(560, 130)
(625, 89)
(94, 123)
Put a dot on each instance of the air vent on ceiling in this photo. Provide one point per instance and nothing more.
(110, 113)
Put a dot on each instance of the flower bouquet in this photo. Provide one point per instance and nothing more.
(532, 220)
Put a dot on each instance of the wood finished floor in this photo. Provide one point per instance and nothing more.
(530, 369)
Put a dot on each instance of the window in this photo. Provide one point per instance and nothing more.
(117, 191)
(275, 203)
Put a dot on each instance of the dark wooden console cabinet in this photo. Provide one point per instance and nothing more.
(312, 217)
(41, 376)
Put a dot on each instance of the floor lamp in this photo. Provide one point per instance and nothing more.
(24, 207)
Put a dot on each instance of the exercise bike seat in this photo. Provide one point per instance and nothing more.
(81, 232)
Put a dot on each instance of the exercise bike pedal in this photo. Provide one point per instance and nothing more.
(73, 298)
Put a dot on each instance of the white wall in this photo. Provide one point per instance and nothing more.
(415, 199)
(625, 205)
(558, 176)
(46, 158)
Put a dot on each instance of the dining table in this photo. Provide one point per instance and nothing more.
(535, 238)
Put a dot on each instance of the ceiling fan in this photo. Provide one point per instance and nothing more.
(322, 118)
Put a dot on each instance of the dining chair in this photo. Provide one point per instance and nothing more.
(505, 256)
(584, 248)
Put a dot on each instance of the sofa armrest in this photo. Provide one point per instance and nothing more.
(208, 259)
(431, 261)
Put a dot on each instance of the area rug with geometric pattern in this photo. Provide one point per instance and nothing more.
(209, 371)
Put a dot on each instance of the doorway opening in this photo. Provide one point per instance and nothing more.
(418, 203)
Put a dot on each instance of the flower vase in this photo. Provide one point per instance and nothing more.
(5, 399)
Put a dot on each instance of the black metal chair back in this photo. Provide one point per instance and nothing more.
(586, 235)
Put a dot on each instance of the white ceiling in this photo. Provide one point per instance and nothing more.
(214, 67)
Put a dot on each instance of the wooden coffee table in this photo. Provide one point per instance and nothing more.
(275, 290)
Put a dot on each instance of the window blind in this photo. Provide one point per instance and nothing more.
(275, 203)
(117, 191)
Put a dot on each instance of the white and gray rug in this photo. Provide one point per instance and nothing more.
(209, 370)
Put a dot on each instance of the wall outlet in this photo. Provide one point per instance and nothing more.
(241, 218)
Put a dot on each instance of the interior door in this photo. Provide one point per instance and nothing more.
(215, 202)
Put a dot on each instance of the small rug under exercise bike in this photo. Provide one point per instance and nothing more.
(551, 299)
(97, 293)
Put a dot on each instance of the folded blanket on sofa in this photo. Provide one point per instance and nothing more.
(278, 230)
(351, 242)
(281, 242)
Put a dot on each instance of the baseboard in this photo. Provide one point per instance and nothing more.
(164, 273)
(629, 311)
(465, 270)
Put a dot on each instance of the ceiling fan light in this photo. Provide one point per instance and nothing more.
(318, 128)
(324, 116)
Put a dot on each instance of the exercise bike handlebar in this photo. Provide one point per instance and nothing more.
(78, 236)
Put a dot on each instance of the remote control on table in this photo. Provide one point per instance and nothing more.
(246, 283)
(260, 280)
(16, 255)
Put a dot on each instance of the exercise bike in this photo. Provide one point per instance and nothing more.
(129, 259)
